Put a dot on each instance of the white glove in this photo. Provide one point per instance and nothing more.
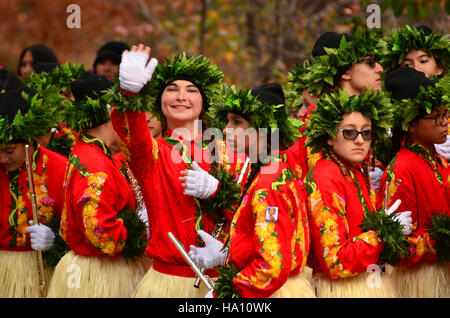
(199, 183)
(444, 149)
(375, 177)
(142, 213)
(404, 218)
(134, 72)
(211, 255)
(209, 294)
(41, 237)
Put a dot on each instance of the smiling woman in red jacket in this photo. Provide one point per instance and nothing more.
(178, 94)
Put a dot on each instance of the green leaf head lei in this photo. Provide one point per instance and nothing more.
(428, 99)
(322, 74)
(258, 113)
(332, 107)
(396, 46)
(53, 86)
(23, 116)
(197, 69)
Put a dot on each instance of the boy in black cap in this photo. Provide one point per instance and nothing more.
(417, 176)
(98, 206)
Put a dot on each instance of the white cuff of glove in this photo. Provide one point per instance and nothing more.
(41, 237)
(375, 177)
(444, 149)
(210, 256)
(199, 183)
(134, 72)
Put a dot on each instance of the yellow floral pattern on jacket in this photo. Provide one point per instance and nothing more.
(329, 217)
(45, 209)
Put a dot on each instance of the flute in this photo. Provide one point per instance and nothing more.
(221, 222)
(204, 278)
(28, 163)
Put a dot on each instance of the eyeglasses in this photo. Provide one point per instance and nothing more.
(441, 119)
(352, 134)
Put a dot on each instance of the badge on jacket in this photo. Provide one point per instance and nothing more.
(272, 214)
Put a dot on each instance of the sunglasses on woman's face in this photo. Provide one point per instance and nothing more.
(352, 134)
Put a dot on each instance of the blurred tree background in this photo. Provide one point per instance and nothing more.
(252, 41)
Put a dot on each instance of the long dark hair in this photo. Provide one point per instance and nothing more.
(40, 52)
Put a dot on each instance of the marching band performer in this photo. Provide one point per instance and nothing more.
(340, 199)
(22, 121)
(177, 168)
(417, 176)
(269, 236)
(105, 234)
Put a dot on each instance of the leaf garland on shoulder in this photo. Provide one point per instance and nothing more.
(197, 68)
(224, 287)
(394, 47)
(227, 195)
(62, 144)
(330, 111)
(396, 244)
(135, 243)
(35, 122)
(320, 76)
(439, 229)
(59, 248)
(427, 100)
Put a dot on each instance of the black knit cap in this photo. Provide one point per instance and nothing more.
(425, 29)
(271, 93)
(89, 84)
(46, 67)
(111, 50)
(328, 40)
(12, 101)
(405, 82)
(8, 80)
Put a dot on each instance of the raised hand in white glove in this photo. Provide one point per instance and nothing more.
(444, 149)
(134, 71)
(375, 177)
(198, 183)
(404, 218)
(143, 215)
(211, 255)
(41, 236)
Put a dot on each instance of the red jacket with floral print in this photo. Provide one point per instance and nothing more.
(336, 208)
(156, 164)
(269, 235)
(94, 192)
(418, 178)
(15, 205)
